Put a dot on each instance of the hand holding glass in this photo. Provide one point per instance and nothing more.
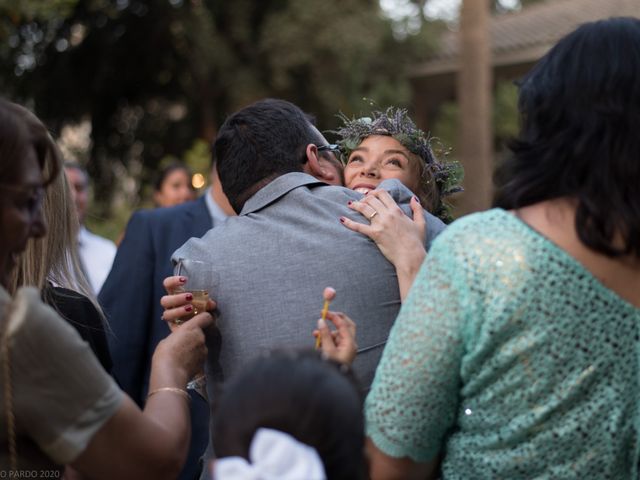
(200, 280)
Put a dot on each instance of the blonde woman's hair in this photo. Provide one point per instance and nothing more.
(54, 259)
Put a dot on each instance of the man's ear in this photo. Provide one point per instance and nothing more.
(313, 165)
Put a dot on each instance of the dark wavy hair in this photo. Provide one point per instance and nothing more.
(298, 393)
(580, 135)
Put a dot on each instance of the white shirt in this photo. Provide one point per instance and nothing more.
(97, 254)
(218, 217)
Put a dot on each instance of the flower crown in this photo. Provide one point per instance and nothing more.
(395, 122)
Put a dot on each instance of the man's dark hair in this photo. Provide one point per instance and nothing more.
(298, 393)
(580, 108)
(260, 142)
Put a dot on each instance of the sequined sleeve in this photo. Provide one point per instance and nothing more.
(512, 360)
(414, 397)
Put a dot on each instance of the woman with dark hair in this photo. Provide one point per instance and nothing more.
(59, 405)
(173, 186)
(290, 415)
(516, 352)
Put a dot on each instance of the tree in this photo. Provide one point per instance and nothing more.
(153, 76)
(474, 97)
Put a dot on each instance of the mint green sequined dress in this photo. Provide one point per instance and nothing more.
(511, 360)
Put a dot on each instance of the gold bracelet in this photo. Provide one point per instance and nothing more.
(181, 391)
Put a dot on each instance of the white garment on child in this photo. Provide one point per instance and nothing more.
(273, 455)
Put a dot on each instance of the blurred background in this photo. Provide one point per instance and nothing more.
(128, 86)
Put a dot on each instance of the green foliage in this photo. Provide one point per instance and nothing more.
(505, 118)
(445, 128)
(114, 227)
(157, 77)
(198, 157)
(30, 9)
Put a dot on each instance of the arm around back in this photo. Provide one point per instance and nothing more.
(402, 239)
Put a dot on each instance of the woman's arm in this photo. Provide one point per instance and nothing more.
(384, 467)
(414, 399)
(399, 238)
(153, 443)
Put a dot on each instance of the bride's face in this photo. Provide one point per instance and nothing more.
(378, 158)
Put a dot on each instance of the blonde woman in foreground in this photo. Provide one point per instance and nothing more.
(60, 406)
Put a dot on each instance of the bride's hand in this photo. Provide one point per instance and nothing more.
(399, 238)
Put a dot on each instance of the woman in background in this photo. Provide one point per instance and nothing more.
(173, 186)
(516, 352)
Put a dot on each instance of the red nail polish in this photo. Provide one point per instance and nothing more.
(182, 279)
(342, 219)
(189, 296)
(349, 202)
(188, 308)
(416, 199)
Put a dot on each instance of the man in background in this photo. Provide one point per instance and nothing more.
(96, 252)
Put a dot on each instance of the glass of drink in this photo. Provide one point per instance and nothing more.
(201, 280)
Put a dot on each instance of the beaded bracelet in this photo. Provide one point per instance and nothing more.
(181, 391)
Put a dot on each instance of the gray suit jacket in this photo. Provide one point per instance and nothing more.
(274, 261)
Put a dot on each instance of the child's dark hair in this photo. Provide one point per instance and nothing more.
(297, 393)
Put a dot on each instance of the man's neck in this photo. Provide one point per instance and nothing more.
(220, 198)
(253, 189)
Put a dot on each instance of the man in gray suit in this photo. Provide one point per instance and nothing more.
(287, 244)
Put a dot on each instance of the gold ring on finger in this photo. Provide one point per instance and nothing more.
(375, 212)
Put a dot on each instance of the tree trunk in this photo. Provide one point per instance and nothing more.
(475, 147)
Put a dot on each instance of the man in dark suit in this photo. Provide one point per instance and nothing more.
(131, 298)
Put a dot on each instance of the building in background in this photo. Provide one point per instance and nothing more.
(518, 39)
